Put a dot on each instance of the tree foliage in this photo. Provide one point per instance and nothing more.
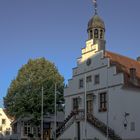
(24, 94)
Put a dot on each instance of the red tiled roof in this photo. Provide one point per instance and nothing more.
(124, 64)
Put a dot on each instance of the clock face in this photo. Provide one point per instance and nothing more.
(88, 62)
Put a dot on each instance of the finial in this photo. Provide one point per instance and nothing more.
(95, 5)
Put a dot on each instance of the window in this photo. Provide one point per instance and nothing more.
(27, 129)
(0, 128)
(132, 125)
(97, 79)
(39, 131)
(3, 121)
(14, 128)
(75, 104)
(7, 131)
(88, 62)
(34, 130)
(103, 102)
(89, 79)
(81, 83)
(91, 34)
(101, 34)
(96, 33)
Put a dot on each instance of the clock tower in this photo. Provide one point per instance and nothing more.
(96, 37)
(96, 29)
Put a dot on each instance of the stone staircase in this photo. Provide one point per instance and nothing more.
(102, 127)
(65, 124)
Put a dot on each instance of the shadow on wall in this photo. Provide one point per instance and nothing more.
(15, 137)
(5, 134)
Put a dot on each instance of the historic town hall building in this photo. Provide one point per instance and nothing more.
(106, 86)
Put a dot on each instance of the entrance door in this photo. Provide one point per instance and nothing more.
(78, 130)
(90, 103)
(47, 131)
(47, 134)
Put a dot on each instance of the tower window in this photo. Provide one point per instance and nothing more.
(91, 34)
(96, 33)
(101, 34)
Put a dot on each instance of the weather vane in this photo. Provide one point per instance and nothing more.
(95, 5)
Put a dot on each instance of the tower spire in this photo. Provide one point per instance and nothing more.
(95, 6)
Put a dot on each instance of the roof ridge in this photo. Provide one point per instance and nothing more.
(124, 64)
(132, 59)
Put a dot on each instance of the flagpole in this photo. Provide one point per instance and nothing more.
(55, 113)
(42, 113)
(95, 6)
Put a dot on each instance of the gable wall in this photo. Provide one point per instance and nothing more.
(121, 99)
(7, 123)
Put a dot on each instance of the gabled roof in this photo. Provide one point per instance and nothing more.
(47, 118)
(8, 116)
(124, 64)
(4, 112)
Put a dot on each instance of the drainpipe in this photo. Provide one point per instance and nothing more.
(107, 103)
(85, 109)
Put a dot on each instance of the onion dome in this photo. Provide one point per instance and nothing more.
(96, 22)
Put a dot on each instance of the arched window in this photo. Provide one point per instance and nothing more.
(96, 33)
(101, 34)
(91, 34)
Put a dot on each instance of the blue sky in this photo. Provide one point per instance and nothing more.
(56, 30)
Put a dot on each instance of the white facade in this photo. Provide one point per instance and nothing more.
(121, 100)
(5, 127)
(121, 113)
(106, 86)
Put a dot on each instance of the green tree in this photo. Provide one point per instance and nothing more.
(24, 94)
